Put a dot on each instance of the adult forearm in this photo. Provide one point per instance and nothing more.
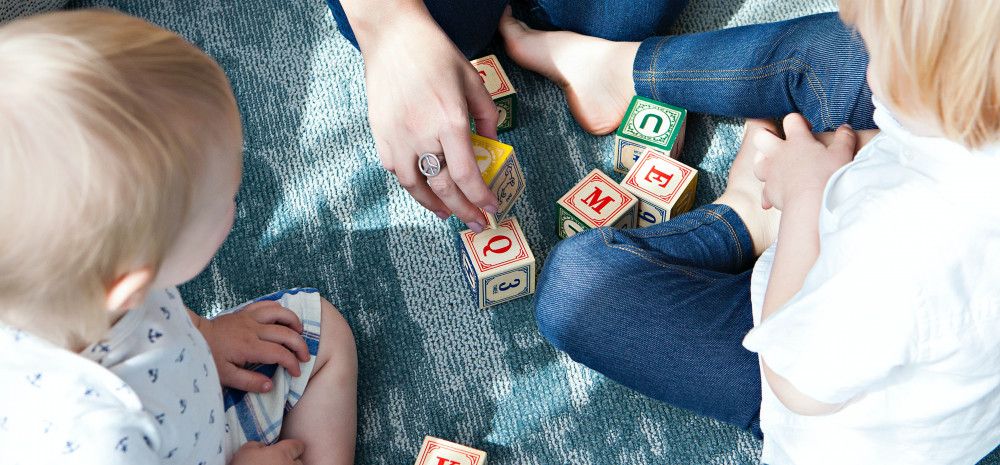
(367, 17)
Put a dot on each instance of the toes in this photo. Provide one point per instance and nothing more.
(526, 46)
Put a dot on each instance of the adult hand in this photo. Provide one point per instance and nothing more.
(286, 452)
(262, 332)
(800, 163)
(421, 90)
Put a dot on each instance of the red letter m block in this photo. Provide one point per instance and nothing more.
(595, 201)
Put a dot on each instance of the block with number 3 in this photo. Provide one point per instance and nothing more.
(498, 263)
(501, 90)
(665, 187)
(648, 125)
(437, 451)
(595, 202)
(501, 172)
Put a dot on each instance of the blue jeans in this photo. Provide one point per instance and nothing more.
(662, 310)
(471, 24)
(813, 65)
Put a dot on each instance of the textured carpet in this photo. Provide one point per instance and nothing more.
(317, 210)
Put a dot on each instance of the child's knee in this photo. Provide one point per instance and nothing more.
(576, 272)
(336, 343)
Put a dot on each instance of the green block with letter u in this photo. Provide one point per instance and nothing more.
(647, 124)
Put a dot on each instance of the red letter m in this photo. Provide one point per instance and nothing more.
(595, 201)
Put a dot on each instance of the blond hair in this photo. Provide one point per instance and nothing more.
(937, 59)
(104, 121)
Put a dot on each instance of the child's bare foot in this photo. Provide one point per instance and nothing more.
(595, 74)
(744, 192)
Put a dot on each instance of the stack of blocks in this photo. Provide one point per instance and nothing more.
(656, 187)
(440, 452)
(648, 125)
(501, 90)
(498, 262)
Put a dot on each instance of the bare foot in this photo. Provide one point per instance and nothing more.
(595, 74)
(744, 192)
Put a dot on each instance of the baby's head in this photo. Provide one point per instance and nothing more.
(936, 63)
(120, 157)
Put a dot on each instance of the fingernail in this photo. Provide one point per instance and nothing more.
(491, 209)
(267, 386)
(442, 215)
(475, 227)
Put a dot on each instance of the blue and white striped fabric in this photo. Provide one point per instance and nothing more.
(258, 417)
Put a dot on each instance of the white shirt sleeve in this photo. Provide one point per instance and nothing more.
(855, 319)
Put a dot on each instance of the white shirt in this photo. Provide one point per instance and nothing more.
(147, 394)
(899, 317)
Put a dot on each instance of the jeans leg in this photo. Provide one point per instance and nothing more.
(619, 20)
(814, 65)
(471, 24)
(662, 311)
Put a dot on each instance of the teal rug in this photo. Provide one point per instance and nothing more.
(316, 209)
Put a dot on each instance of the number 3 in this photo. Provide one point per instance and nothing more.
(504, 286)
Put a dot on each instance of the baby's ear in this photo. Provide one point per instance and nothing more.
(129, 290)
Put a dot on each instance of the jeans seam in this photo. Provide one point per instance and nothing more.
(732, 233)
(652, 65)
(645, 256)
(788, 64)
(728, 70)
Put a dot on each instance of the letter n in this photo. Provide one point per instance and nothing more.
(659, 122)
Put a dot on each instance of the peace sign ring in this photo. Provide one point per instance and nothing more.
(430, 164)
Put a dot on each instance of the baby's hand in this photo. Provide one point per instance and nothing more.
(800, 163)
(287, 452)
(262, 332)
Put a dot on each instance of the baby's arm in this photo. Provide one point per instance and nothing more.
(795, 172)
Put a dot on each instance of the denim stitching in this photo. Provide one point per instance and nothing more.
(811, 76)
(732, 232)
(779, 40)
(642, 254)
(729, 70)
(652, 66)
(788, 64)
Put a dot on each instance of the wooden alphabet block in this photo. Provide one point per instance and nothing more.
(436, 451)
(648, 125)
(665, 187)
(498, 263)
(594, 202)
(501, 90)
(501, 172)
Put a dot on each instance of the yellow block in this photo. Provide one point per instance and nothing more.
(490, 156)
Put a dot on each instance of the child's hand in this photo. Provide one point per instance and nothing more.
(262, 332)
(286, 452)
(799, 164)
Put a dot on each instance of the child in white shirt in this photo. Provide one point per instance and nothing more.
(872, 324)
(877, 311)
(120, 157)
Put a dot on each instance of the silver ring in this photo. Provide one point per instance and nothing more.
(430, 164)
